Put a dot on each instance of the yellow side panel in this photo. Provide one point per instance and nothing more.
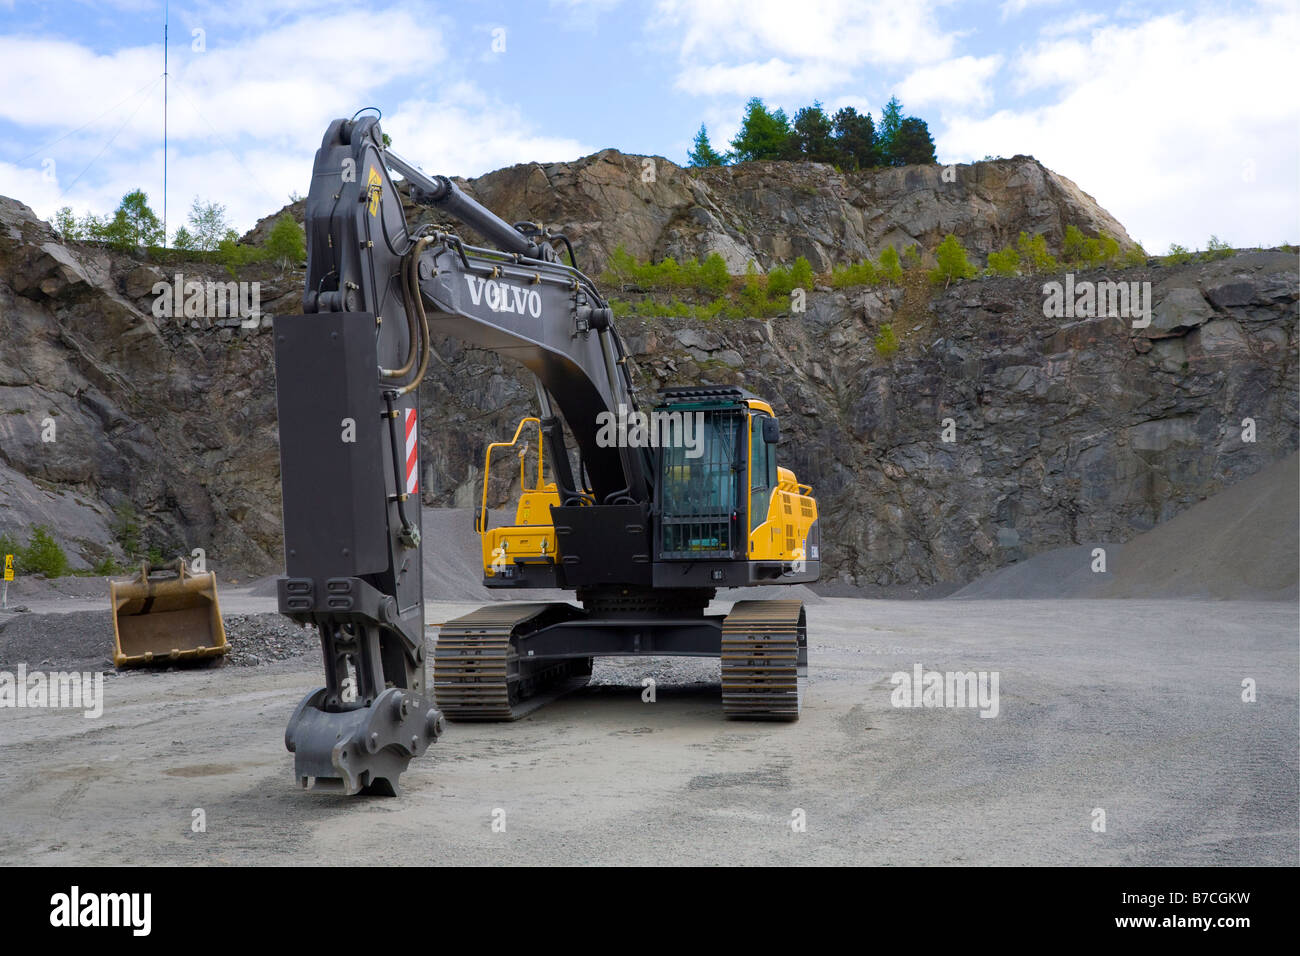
(510, 542)
(535, 506)
(782, 536)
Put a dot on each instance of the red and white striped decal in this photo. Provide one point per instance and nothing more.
(412, 454)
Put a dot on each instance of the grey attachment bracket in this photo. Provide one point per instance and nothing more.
(362, 750)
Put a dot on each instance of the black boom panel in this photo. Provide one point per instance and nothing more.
(330, 442)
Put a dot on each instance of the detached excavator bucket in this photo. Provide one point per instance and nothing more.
(166, 615)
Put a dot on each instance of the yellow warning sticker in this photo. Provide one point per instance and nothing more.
(375, 187)
(9, 567)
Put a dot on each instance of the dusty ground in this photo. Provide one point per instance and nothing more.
(1133, 707)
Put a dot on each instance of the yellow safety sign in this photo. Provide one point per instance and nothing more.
(9, 567)
(374, 187)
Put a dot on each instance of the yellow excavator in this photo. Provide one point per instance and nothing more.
(663, 500)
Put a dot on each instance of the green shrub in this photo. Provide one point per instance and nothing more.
(1079, 250)
(285, 244)
(1217, 249)
(1135, 256)
(1109, 249)
(234, 256)
(42, 555)
(106, 567)
(9, 545)
(859, 273)
(1034, 254)
(620, 271)
(802, 274)
(1177, 255)
(886, 341)
(125, 527)
(1004, 263)
(625, 272)
(665, 275)
(889, 269)
(953, 264)
(1072, 250)
(912, 256)
(779, 281)
(714, 276)
(753, 297)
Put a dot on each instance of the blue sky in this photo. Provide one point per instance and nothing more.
(1180, 119)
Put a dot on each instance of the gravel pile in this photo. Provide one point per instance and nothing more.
(83, 640)
(1238, 545)
(76, 641)
(265, 638)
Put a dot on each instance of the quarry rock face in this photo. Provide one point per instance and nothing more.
(1062, 431)
(772, 212)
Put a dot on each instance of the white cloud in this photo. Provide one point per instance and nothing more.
(233, 88)
(246, 116)
(773, 78)
(467, 133)
(964, 81)
(1179, 126)
(1075, 24)
(1013, 8)
(776, 49)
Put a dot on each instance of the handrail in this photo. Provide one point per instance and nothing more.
(482, 527)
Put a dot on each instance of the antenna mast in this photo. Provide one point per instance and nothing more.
(166, 12)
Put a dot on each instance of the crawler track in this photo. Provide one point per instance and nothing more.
(477, 672)
(764, 660)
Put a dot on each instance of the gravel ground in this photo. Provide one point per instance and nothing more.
(668, 673)
(1132, 707)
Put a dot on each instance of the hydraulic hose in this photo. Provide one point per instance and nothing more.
(416, 299)
(417, 322)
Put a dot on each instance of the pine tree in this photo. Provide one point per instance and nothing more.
(891, 118)
(704, 154)
(855, 139)
(812, 134)
(912, 144)
(763, 134)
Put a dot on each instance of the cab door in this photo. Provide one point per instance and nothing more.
(763, 437)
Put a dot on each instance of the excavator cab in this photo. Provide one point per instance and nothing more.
(726, 513)
(723, 503)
